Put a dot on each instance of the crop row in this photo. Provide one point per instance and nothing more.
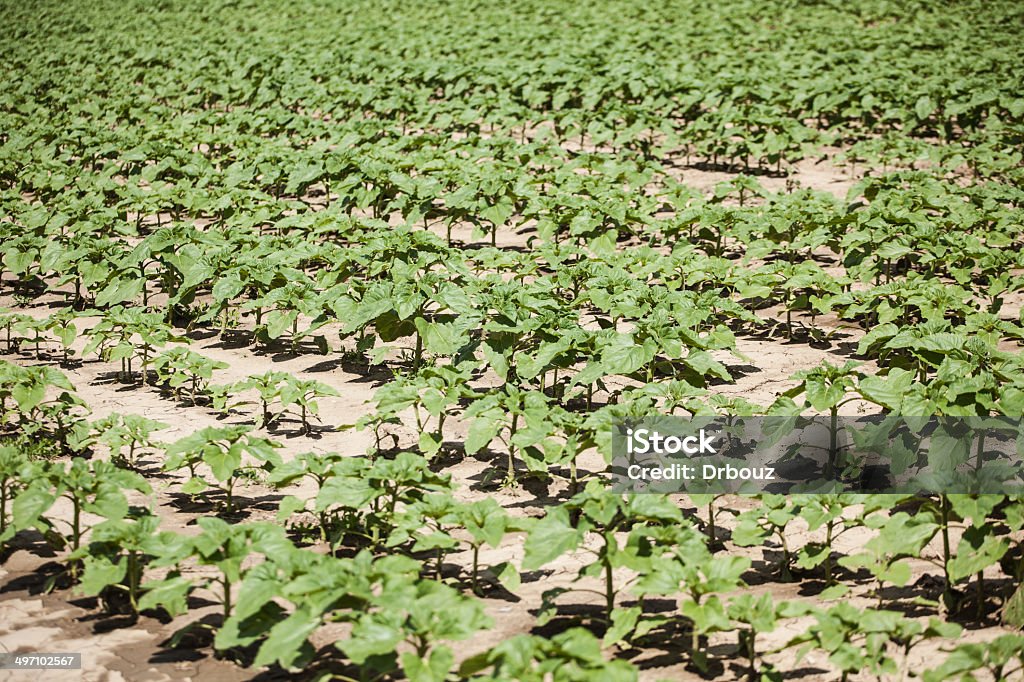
(397, 520)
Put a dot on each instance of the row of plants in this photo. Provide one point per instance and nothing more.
(918, 221)
(386, 504)
(667, 81)
(274, 593)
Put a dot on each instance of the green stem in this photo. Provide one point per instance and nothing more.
(3, 506)
(229, 495)
(981, 595)
(133, 580)
(828, 554)
(948, 590)
(609, 588)
(751, 653)
(711, 519)
(476, 565)
(145, 289)
(694, 633)
(226, 583)
(833, 432)
(511, 448)
(76, 520)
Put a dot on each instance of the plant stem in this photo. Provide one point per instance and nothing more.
(711, 519)
(226, 583)
(609, 587)
(828, 553)
(133, 580)
(833, 453)
(947, 593)
(511, 448)
(228, 495)
(476, 564)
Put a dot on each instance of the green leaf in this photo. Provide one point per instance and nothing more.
(897, 573)
(194, 486)
(370, 637)
(119, 290)
(924, 107)
(223, 462)
(434, 669)
(978, 549)
(624, 621)
(99, 573)
(834, 592)
(227, 287)
(624, 356)
(482, 431)
(287, 643)
(1013, 611)
(889, 391)
(441, 338)
(280, 321)
(345, 491)
(549, 538)
(170, 593)
(507, 575)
